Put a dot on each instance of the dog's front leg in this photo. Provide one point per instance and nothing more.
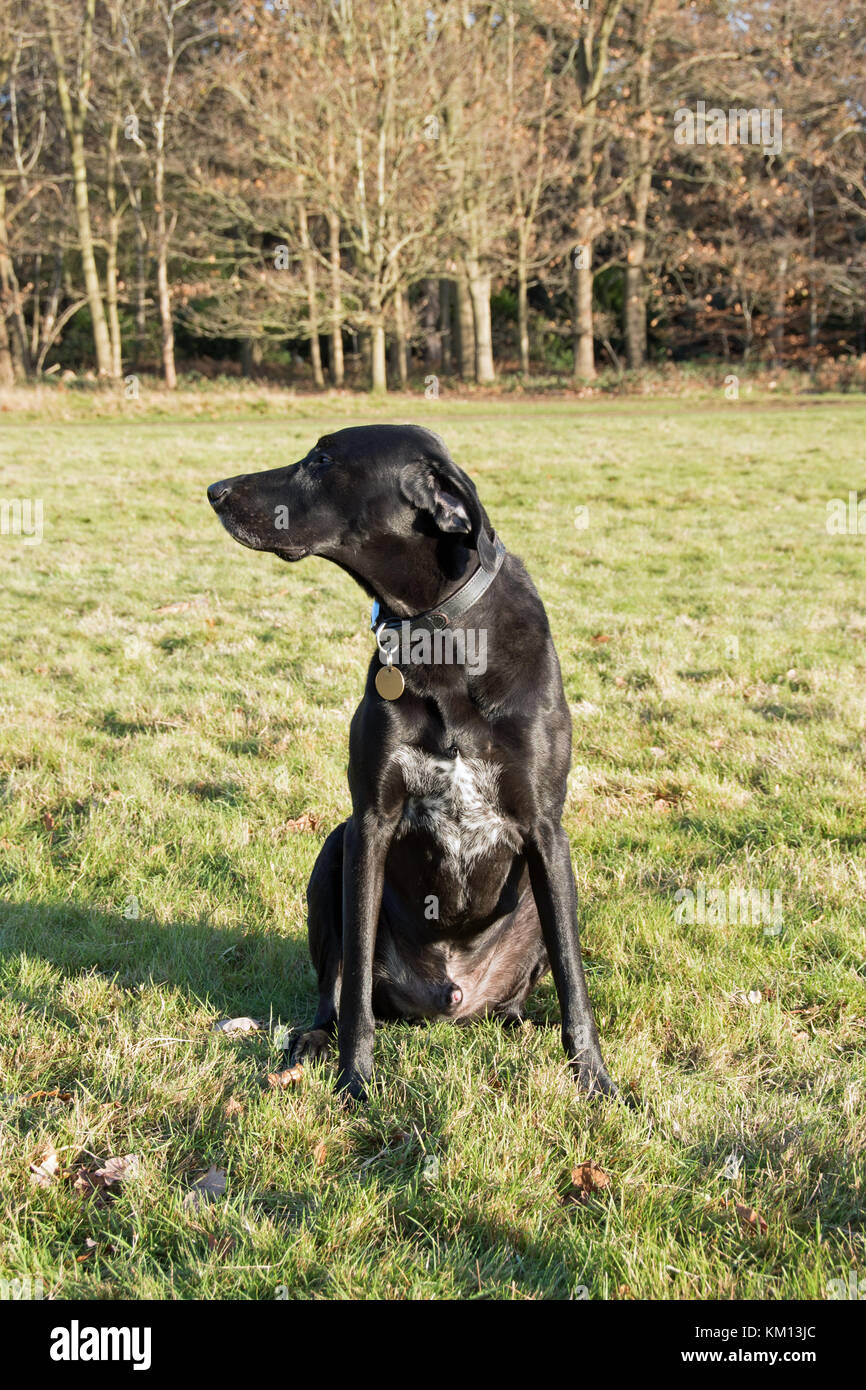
(364, 851)
(549, 859)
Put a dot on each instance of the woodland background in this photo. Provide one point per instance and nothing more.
(353, 192)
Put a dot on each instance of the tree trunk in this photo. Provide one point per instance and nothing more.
(12, 346)
(523, 299)
(635, 281)
(312, 298)
(7, 376)
(779, 308)
(401, 362)
(113, 233)
(465, 330)
(635, 286)
(338, 368)
(251, 356)
(445, 321)
(432, 331)
(378, 370)
(336, 365)
(163, 291)
(479, 289)
(74, 124)
(813, 287)
(584, 355)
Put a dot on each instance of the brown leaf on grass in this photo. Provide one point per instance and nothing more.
(661, 805)
(599, 637)
(305, 824)
(220, 1245)
(207, 1188)
(183, 605)
(289, 1076)
(586, 1179)
(238, 1025)
(751, 1220)
(44, 1166)
(320, 1153)
(232, 1107)
(55, 1094)
(125, 1168)
(48, 820)
(86, 1184)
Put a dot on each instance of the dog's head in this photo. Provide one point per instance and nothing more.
(356, 490)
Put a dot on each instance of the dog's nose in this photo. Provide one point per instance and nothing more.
(217, 494)
(454, 996)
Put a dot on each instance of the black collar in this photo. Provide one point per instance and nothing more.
(452, 608)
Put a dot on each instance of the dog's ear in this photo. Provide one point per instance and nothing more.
(428, 487)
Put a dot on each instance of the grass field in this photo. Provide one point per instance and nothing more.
(174, 706)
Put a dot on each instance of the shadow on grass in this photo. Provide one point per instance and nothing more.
(232, 970)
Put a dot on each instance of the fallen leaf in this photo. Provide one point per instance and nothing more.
(220, 1245)
(183, 605)
(48, 820)
(238, 1025)
(290, 1076)
(586, 1179)
(86, 1183)
(599, 637)
(751, 1220)
(55, 1094)
(320, 1153)
(45, 1165)
(307, 823)
(207, 1188)
(119, 1169)
(233, 1106)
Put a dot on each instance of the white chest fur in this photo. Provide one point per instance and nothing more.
(456, 801)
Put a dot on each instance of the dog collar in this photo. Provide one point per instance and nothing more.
(452, 608)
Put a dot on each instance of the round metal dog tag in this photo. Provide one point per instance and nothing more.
(390, 683)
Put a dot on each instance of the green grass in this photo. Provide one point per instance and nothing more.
(159, 753)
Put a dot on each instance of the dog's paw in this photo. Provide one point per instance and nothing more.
(595, 1081)
(311, 1046)
(352, 1088)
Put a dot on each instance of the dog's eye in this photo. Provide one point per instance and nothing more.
(322, 461)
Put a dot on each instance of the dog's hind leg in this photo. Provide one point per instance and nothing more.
(325, 934)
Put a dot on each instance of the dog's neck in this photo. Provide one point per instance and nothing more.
(410, 575)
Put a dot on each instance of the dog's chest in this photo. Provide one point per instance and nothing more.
(456, 802)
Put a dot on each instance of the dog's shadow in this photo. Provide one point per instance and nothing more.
(232, 970)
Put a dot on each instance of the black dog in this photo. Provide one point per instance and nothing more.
(449, 891)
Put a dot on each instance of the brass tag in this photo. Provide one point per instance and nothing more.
(390, 683)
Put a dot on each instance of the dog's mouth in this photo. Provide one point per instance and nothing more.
(244, 531)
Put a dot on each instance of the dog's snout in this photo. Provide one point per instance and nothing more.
(453, 996)
(217, 494)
